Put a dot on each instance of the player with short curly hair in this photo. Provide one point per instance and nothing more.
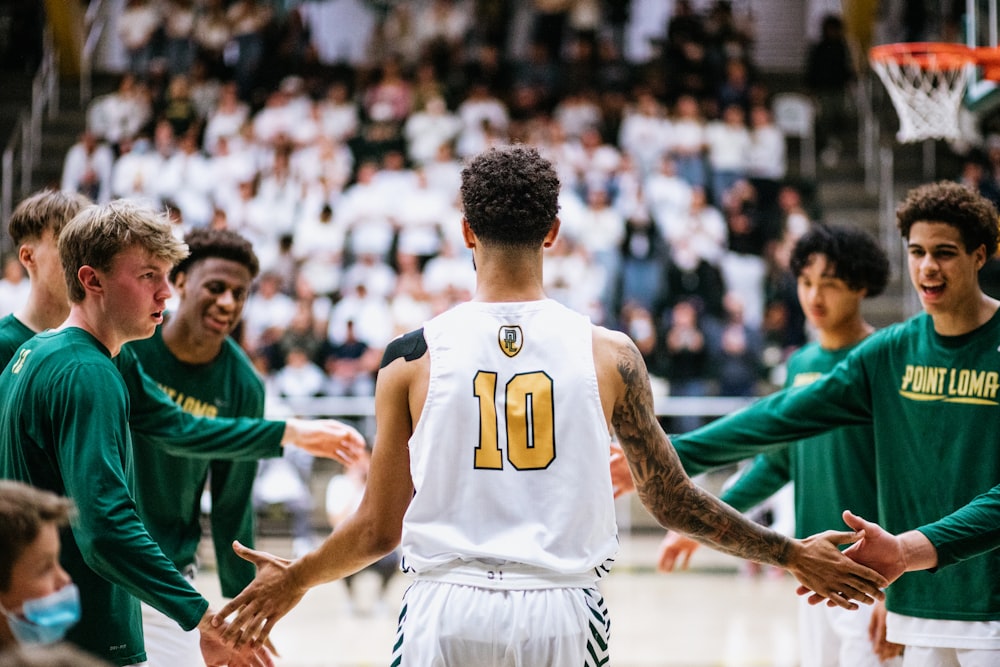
(929, 388)
(490, 464)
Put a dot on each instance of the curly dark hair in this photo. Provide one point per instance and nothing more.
(221, 243)
(954, 204)
(855, 255)
(510, 196)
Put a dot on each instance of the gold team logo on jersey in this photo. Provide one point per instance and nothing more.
(950, 385)
(511, 339)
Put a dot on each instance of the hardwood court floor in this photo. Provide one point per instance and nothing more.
(709, 616)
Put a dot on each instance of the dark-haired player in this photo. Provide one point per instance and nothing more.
(836, 268)
(490, 463)
(929, 388)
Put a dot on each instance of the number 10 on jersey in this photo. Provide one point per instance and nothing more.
(527, 419)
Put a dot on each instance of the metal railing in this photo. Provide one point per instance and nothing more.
(24, 147)
(16, 153)
(94, 21)
(364, 406)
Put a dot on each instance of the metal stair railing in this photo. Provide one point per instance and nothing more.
(24, 147)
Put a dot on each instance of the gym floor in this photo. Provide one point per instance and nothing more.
(715, 614)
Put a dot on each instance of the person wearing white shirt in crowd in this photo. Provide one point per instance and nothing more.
(372, 271)
(410, 304)
(667, 194)
(279, 193)
(318, 244)
(767, 160)
(576, 112)
(229, 169)
(394, 177)
(419, 216)
(299, 100)
(324, 159)
(276, 120)
(370, 315)
(134, 174)
(267, 312)
(308, 128)
(87, 168)
(187, 178)
(135, 27)
(364, 211)
(14, 286)
(299, 377)
(570, 277)
(319, 305)
(450, 270)
(601, 231)
(645, 132)
(701, 229)
(480, 110)
(444, 172)
(442, 21)
(338, 113)
(728, 142)
(428, 128)
(688, 141)
(245, 214)
(227, 118)
(594, 161)
(122, 113)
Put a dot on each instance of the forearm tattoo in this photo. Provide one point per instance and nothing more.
(666, 490)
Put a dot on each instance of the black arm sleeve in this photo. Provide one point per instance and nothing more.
(409, 346)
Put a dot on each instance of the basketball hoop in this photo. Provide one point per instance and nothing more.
(988, 58)
(926, 82)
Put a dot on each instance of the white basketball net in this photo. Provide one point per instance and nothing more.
(927, 99)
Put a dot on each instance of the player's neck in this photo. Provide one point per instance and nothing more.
(505, 283)
(185, 345)
(847, 335)
(973, 314)
(42, 311)
(89, 318)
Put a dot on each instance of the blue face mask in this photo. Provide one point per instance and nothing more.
(46, 620)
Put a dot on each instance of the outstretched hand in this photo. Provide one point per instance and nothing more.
(673, 547)
(326, 438)
(217, 654)
(271, 595)
(878, 549)
(827, 573)
(621, 476)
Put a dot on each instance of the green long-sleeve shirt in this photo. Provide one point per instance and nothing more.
(832, 471)
(63, 427)
(169, 485)
(159, 420)
(934, 407)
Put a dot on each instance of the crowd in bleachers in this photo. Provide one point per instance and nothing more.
(676, 213)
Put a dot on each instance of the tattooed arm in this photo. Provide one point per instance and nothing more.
(679, 504)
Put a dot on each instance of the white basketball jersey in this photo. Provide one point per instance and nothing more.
(510, 456)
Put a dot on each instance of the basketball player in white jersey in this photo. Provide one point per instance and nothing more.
(490, 465)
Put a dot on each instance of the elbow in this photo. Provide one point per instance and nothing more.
(382, 540)
(385, 546)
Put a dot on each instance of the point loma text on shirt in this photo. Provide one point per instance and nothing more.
(191, 404)
(952, 385)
